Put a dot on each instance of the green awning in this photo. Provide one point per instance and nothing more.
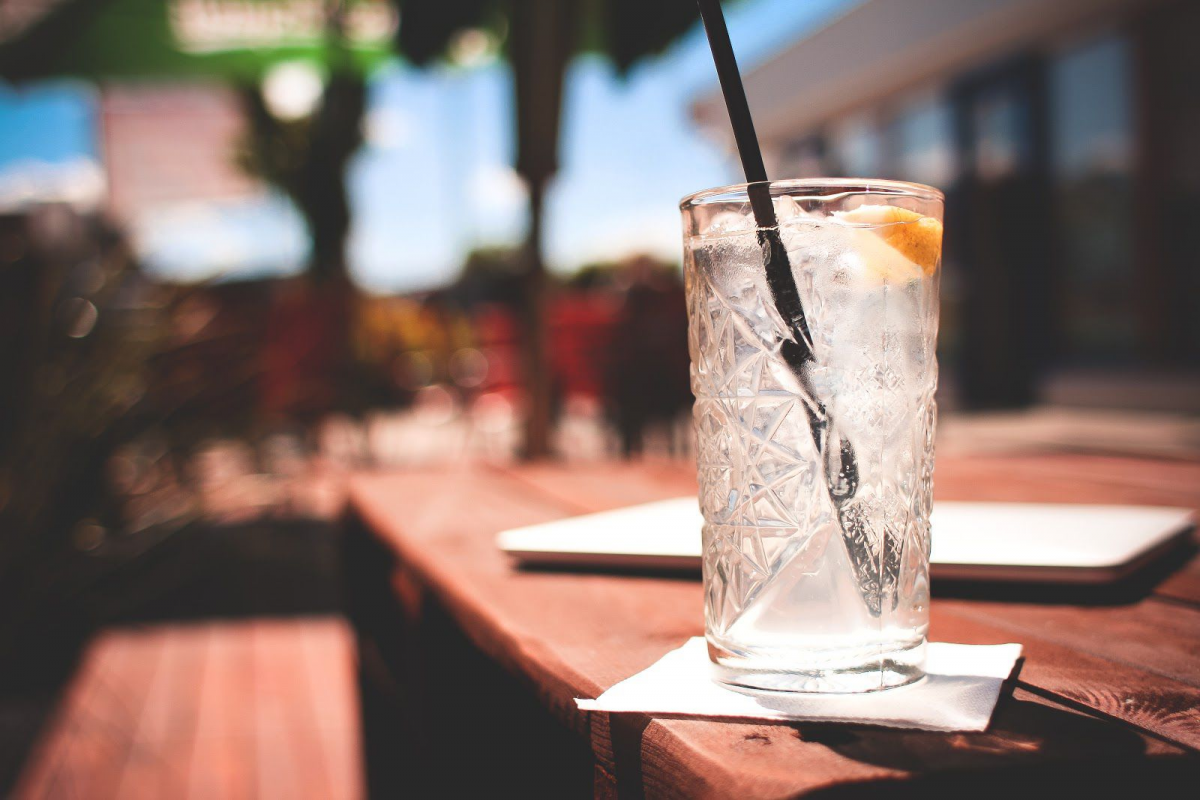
(228, 40)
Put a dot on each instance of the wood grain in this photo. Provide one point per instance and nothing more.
(601, 486)
(165, 733)
(1110, 693)
(1147, 700)
(94, 733)
(224, 710)
(1183, 585)
(1158, 637)
(224, 754)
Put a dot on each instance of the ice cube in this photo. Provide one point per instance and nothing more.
(786, 209)
(729, 222)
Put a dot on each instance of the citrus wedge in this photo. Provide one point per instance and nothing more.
(915, 236)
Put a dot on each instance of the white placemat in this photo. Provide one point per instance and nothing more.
(959, 692)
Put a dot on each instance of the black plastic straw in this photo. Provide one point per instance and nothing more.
(798, 350)
(778, 268)
(735, 96)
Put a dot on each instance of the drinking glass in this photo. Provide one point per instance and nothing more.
(815, 433)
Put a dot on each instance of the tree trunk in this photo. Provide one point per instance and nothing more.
(539, 384)
(542, 41)
(307, 159)
(321, 193)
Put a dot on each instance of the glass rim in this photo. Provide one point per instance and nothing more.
(740, 191)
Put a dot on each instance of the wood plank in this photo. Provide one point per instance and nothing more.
(575, 634)
(1158, 637)
(49, 754)
(1159, 705)
(94, 734)
(330, 669)
(586, 488)
(207, 711)
(305, 711)
(1069, 479)
(165, 733)
(222, 763)
(282, 719)
(179, 742)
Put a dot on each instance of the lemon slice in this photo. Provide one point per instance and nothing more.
(915, 236)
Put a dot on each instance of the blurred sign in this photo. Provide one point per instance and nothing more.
(212, 25)
(168, 144)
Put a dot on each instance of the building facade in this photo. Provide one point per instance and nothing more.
(1066, 136)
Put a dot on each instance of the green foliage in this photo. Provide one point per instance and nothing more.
(492, 260)
(597, 273)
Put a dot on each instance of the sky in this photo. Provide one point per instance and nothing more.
(47, 143)
(434, 178)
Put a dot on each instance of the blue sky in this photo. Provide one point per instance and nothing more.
(52, 123)
(434, 180)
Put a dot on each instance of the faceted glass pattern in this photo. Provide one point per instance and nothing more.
(805, 589)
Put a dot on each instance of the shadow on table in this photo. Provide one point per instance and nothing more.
(672, 574)
(1028, 742)
(1023, 732)
(1137, 586)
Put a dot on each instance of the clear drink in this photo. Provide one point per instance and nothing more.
(816, 473)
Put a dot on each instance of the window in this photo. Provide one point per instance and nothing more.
(801, 158)
(1000, 149)
(856, 149)
(1091, 152)
(922, 137)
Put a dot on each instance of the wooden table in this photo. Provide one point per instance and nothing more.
(469, 667)
(253, 708)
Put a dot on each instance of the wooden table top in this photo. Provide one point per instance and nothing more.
(256, 708)
(1112, 679)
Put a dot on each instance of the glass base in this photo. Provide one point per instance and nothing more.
(821, 673)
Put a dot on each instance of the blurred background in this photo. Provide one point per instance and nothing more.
(250, 246)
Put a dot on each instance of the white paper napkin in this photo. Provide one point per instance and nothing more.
(958, 693)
